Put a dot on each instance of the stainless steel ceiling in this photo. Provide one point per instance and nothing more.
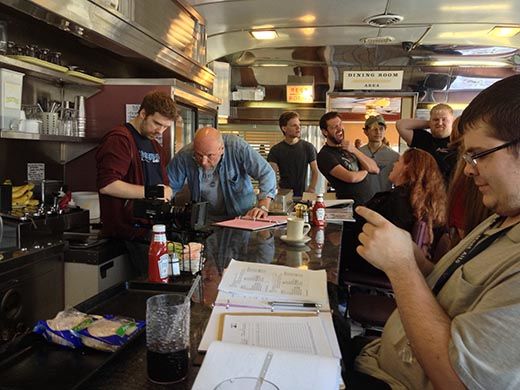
(324, 37)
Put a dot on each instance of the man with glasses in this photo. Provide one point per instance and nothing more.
(384, 156)
(344, 166)
(130, 161)
(456, 322)
(218, 169)
(436, 141)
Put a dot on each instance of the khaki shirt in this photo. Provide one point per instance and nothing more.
(483, 300)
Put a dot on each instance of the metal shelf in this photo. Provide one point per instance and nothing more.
(42, 72)
(10, 134)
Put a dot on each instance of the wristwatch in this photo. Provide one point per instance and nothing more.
(264, 208)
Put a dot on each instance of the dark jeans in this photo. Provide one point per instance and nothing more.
(350, 349)
(138, 255)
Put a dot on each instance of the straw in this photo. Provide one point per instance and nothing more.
(192, 289)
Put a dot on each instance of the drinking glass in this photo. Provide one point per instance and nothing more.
(167, 337)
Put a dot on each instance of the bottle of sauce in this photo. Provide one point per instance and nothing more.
(318, 211)
(319, 239)
(158, 257)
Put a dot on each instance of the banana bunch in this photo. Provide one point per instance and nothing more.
(22, 196)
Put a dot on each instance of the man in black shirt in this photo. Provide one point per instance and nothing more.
(344, 166)
(434, 142)
(291, 157)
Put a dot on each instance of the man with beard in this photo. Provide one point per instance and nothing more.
(131, 162)
(434, 142)
(344, 166)
(217, 169)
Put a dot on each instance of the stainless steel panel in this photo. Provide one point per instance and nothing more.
(114, 31)
(191, 95)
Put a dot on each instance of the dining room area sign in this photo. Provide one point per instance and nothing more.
(373, 80)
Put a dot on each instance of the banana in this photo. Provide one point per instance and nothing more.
(24, 198)
(33, 202)
(18, 191)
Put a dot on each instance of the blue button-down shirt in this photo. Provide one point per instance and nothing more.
(238, 163)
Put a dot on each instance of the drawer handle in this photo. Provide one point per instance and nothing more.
(104, 268)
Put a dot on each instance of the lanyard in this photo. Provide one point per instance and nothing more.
(477, 246)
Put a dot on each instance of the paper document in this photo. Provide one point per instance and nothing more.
(248, 223)
(286, 370)
(339, 215)
(227, 303)
(266, 281)
(302, 334)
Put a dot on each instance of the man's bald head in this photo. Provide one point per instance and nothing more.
(208, 147)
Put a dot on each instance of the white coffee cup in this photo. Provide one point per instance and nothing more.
(297, 229)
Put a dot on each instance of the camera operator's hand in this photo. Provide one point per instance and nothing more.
(168, 193)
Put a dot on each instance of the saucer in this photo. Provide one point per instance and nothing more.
(299, 242)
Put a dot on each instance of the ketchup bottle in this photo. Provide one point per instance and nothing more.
(318, 211)
(158, 257)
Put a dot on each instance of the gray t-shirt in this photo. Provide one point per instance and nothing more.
(385, 158)
(211, 192)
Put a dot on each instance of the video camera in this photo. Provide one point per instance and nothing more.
(191, 216)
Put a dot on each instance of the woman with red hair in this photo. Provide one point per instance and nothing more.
(419, 194)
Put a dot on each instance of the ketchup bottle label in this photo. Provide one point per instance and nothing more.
(163, 266)
(320, 214)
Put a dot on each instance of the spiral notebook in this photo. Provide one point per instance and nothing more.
(248, 223)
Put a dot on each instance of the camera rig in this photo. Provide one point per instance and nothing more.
(188, 217)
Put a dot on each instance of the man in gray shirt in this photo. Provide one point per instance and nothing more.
(384, 156)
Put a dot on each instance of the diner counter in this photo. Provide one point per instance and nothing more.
(128, 370)
(224, 244)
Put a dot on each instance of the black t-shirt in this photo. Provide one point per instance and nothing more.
(150, 159)
(292, 161)
(328, 158)
(395, 206)
(438, 148)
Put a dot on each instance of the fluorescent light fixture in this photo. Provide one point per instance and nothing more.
(483, 7)
(308, 31)
(264, 34)
(464, 34)
(467, 62)
(273, 65)
(504, 31)
(309, 18)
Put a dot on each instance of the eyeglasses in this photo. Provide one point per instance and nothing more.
(471, 158)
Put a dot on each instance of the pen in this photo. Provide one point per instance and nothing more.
(296, 304)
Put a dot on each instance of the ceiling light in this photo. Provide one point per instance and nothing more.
(504, 31)
(308, 31)
(467, 62)
(309, 18)
(264, 34)
(272, 65)
(466, 8)
(463, 34)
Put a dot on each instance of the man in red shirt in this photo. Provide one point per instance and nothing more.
(129, 159)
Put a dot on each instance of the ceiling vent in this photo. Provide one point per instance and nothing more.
(377, 40)
(383, 20)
